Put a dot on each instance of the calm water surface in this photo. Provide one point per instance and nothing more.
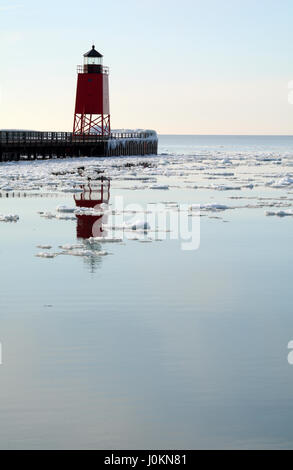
(151, 347)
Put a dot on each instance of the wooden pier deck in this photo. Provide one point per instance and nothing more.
(29, 145)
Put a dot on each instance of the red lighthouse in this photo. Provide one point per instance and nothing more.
(92, 107)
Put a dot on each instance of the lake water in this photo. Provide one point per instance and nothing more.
(152, 346)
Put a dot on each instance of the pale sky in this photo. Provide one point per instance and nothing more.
(179, 67)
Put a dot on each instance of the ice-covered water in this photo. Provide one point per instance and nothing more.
(113, 343)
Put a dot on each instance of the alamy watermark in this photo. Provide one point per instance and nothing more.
(158, 221)
(290, 355)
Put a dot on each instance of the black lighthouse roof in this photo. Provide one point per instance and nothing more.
(92, 53)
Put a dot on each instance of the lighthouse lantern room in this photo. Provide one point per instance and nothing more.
(92, 107)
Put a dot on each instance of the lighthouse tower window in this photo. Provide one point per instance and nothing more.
(93, 61)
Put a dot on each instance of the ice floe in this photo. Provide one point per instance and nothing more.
(46, 255)
(283, 182)
(85, 253)
(66, 209)
(209, 207)
(88, 211)
(279, 213)
(216, 172)
(47, 215)
(78, 250)
(164, 187)
(58, 216)
(105, 240)
(9, 218)
(69, 247)
(139, 225)
(65, 217)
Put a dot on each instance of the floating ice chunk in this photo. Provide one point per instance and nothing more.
(65, 217)
(105, 240)
(269, 159)
(44, 247)
(162, 187)
(283, 182)
(71, 190)
(46, 255)
(71, 247)
(210, 207)
(9, 218)
(86, 253)
(80, 252)
(65, 209)
(279, 213)
(101, 253)
(140, 225)
(223, 187)
(48, 215)
(88, 211)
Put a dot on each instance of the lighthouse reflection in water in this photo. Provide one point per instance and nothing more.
(93, 196)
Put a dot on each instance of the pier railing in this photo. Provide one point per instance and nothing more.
(25, 137)
(32, 137)
(16, 145)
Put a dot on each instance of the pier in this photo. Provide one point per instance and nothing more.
(30, 145)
